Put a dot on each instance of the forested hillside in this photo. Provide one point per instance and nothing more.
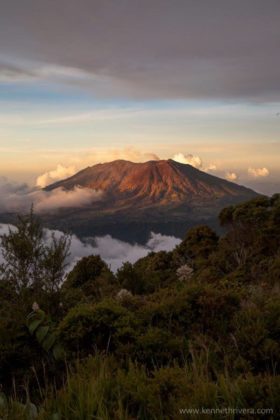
(196, 328)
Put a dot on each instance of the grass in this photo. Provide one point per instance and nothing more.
(99, 389)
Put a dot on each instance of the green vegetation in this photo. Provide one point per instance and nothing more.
(196, 328)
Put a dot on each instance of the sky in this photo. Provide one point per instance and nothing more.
(90, 81)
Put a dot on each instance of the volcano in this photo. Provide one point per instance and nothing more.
(163, 183)
(163, 195)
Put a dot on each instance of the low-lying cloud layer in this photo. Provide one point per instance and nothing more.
(113, 251)
(60, 198)
(19, 198)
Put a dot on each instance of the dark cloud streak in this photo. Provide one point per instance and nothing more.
(156, 48)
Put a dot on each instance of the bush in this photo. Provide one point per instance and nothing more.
(156, 347)
(105, 326)
(256, 331)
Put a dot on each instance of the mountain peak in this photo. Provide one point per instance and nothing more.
(137, 198)
(155, 182)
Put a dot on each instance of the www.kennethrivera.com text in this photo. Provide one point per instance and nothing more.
(226, 411)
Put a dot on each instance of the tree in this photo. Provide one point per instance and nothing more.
(197, 246)
(30, 261)
(252, 231)
(129, 278)
(54, 262)
(92, 276)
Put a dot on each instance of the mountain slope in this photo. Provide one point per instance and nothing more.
(154, 183)
(160, 196)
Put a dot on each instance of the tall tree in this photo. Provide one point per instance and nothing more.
(31, 260)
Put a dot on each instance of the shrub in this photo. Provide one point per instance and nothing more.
(156, 347)
(104, 327)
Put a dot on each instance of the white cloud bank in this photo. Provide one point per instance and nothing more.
(258, 172)
(19, 198)
(113, 251)
(61, 172)
(116, 252)
(60, 198)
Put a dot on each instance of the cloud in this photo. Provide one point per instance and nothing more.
(57, 174)
(159, 242)
(258, 172)
(60, 198)
(211, 168)
(113, 251)
(116, 252)
(12, 73)
(190, 50)
(188, 159)
(19, 198)
(231, 176)
(11, 187)
(14, 196)
(195, 161)
(15, 70)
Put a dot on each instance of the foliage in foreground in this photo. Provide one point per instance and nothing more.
(198, 327)
(101, 389)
